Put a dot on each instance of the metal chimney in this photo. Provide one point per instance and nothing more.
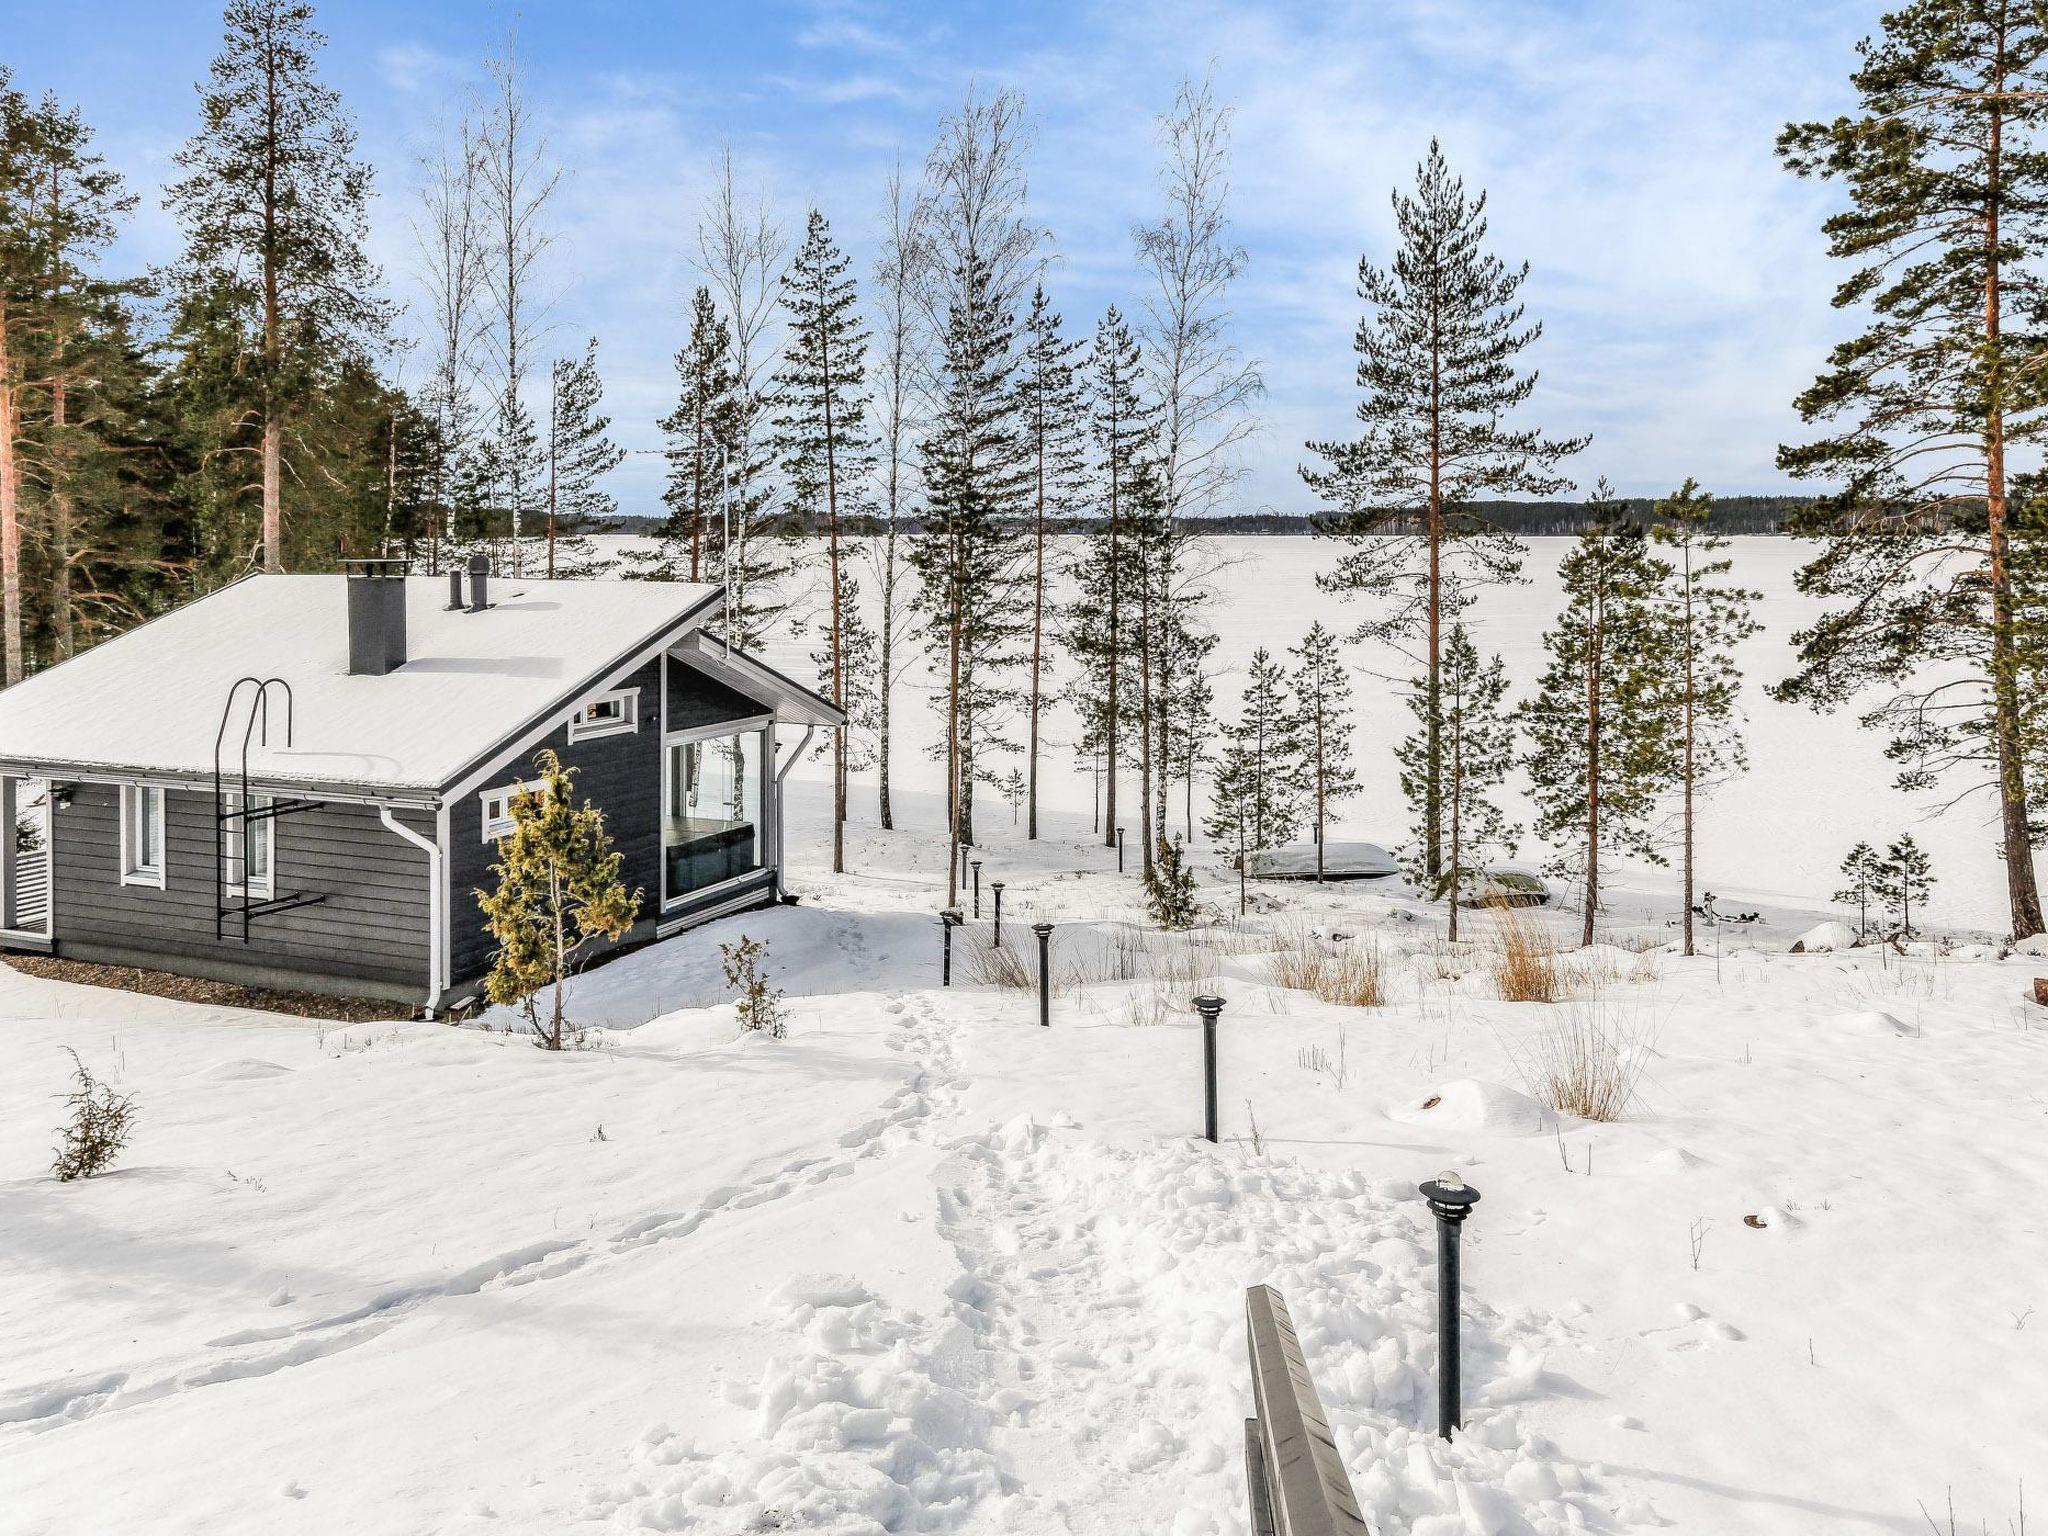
(479, 583)
(376, 616)
(454, 588)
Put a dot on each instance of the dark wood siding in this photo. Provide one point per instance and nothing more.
(371, 930)
(696, 699)
(621, 774)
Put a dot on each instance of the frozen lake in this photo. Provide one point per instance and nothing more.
(1816, 785)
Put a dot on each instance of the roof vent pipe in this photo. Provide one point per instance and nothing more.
(376, 616)
(479, 583)
(454, 588)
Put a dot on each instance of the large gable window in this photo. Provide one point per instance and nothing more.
(142, 835)
(608, 714)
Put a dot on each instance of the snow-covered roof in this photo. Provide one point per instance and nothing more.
(149, 701)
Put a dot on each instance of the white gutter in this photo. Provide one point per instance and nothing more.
(781, 843)
(436, 926)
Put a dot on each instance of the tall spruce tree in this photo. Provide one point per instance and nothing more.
(275, 210)
(580, 454)
(1103, 635)
(1710, 616)
(1601, 744)
(1930, 407)
(1054, 406)
(1439, 362)
(1478, 745)
(1323, 687)
(821, 402)
(970, 551)
(1261, 786)
(700, 432)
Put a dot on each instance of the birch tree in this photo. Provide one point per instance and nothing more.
(449, 242)
(519, 183)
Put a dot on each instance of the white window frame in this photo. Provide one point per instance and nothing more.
(241, 834)
(142, 866)
(499, 825)
(627, 721)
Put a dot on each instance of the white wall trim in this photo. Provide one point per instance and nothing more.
(136, 869)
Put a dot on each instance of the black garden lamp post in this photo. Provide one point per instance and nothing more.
(1450, 1200)
(1119, 850)
(949, 919)
(1210, 1008)
(1044, 932)
(997, 887)
(975, 864)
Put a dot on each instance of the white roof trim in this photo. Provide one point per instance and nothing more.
(794, 704)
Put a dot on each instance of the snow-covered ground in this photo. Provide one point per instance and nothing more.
(925, 1266)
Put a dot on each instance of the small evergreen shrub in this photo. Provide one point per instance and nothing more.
(760, 1005)
(100, 1122)
(1170, 887)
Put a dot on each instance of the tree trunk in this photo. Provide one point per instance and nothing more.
(1037, 650)
(2022, 891)
(10, 511)
(1596, 640)
(1433, 749)
(1145, 785)
(1686, 903)
(882, 682)
(273, 325)
(273, 479)
(838, 619)
(62, 610)
(1116, 646)
(1454, 793)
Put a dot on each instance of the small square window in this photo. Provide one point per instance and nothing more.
(498, 807)
(608, 714)
(142, 835)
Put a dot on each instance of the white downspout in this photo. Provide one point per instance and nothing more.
(781, 844)
(435, 925)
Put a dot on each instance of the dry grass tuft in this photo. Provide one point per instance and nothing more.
(999, 965)
(1523, 962)
(1351, 975)
(1588, 1062)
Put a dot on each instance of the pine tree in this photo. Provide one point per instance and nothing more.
(580, 454)
(1863, 869)
(557, 887)
(1054, 409)
(17, 259)
(1324, 689)
(275, 210)
(1904, 879)
(969, 554)
(1257, 800)
(822, 438)
(1478, 746)
(1439, 363)
(700, 432)
(1935, 402)
(1601, 749)
(1709, 618)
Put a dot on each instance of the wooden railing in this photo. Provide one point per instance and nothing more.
(1296, 1478)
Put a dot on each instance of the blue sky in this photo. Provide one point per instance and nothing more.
(1625, 144)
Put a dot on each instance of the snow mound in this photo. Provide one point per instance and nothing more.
(247, 1069)
(1825, 938)
(2036, 946)
(1867, 1021)
(1467, 1104)
(1341, 861)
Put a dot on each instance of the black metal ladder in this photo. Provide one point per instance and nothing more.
(237, 903)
